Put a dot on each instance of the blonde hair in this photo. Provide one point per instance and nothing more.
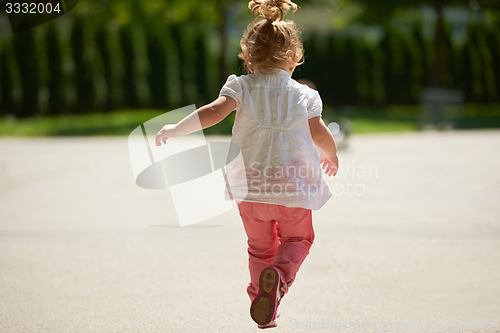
(271, 40)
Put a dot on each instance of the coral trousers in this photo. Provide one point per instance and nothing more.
(278, 236)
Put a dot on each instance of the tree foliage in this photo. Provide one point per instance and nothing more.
(112, 54)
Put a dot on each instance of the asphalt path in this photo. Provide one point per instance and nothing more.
(410, 241)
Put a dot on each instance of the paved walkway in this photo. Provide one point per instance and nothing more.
(411, 237)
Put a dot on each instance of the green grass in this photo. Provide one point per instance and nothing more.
(123, 122)
(365, 125)
(115, 123)
(393, 119)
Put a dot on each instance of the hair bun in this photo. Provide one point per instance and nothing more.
(272, 10)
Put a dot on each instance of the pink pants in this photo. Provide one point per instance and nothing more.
(277, 235)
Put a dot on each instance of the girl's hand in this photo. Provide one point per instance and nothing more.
(166, 132)
(329, 164)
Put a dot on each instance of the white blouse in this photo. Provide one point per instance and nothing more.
(279, 163)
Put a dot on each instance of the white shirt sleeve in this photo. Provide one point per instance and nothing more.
(232, 88)
(315, 105)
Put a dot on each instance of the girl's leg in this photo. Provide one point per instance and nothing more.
(262, 240)
(296, 236)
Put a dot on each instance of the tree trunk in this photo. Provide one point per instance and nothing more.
(224, 44)
(437, 79)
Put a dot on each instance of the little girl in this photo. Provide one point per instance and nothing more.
(277, 121)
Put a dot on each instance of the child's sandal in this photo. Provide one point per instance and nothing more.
(264, 307)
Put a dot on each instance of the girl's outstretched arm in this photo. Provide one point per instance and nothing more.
(205, 116)
(323, 139)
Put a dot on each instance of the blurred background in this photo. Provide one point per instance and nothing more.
(385, 65)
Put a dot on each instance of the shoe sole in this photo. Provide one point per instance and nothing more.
(270, 325)
(264, 305)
